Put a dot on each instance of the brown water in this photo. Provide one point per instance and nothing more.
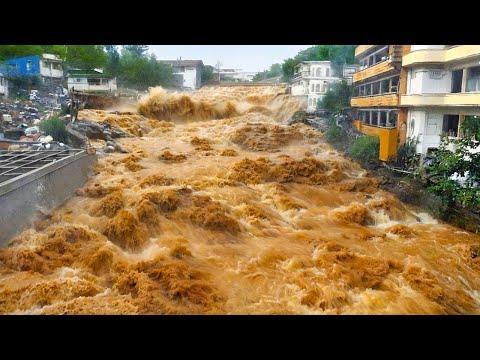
(239, 215)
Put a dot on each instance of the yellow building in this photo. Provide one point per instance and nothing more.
(377, 86)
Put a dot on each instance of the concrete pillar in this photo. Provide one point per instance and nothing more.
(461, 117)
(388, 119)
(370, 118)
(464, 80)
(381, 86)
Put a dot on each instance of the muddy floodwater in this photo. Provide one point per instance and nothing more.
(221, 208)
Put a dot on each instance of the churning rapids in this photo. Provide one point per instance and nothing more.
(221, 208)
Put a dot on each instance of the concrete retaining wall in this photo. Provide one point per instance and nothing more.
(43, 189)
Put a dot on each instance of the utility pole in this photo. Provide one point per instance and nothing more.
(218, 65)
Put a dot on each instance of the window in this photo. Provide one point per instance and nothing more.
(324, 87)
(450, 125)
(319, 72)
(1, 81)
(78, 80)
(29, 65)
(313, 87)
(317, 88)
(457, 81)
(327, 73)
(473, 79)
(93, 81)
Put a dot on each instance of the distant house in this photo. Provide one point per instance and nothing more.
(48, 66)
(311, 80)
(90, 81)
(188, 73)
(235, 74)
(3, 86)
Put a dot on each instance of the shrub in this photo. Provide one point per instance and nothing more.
(55, 128)
(336, 136)
(366, 149)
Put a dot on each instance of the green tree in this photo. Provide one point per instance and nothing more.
(274, 71)
(337, 97)
(85, 56)
(455, 175)
(141, 72)
(138, 50)
(16, 51)
(113, 62)
(207, 74)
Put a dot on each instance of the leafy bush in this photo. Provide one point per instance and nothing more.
(337, 136)
(55, 128)
(448, 166)
(366, 149)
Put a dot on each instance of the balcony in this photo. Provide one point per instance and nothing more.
(375, 100)
(452, 54)
(457, 99)
(377, 69)
(360, 49)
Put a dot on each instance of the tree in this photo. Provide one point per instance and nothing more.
(455, 175)
(16, 51)
(274, 71)
(85, 56)
(207, 74)
(113, 62)
(138, 50)
(141, 72)
(337, 97)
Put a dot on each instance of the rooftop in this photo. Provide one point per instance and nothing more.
(193, 63)
(14, 164)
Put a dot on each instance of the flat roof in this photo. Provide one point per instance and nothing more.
(14, 164)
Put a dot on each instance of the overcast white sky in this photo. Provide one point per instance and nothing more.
(245, 57)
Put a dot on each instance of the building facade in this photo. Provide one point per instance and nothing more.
(90, 81)
(48, 66)
(443, 90)
(3, 86)
(378, 84)
(311, 80)
(188, 73)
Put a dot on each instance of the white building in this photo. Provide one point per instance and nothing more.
(311, 80)
(188, 73)
(235, 74)
(90, 81)
(443, 90)
(51, 67)
(3, 86)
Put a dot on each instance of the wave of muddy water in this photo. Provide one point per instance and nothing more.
(222, 208)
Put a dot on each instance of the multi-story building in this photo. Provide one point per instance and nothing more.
(48, 66)
(443, 89)
(188, 73)
(311, 80)
(377, 86)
